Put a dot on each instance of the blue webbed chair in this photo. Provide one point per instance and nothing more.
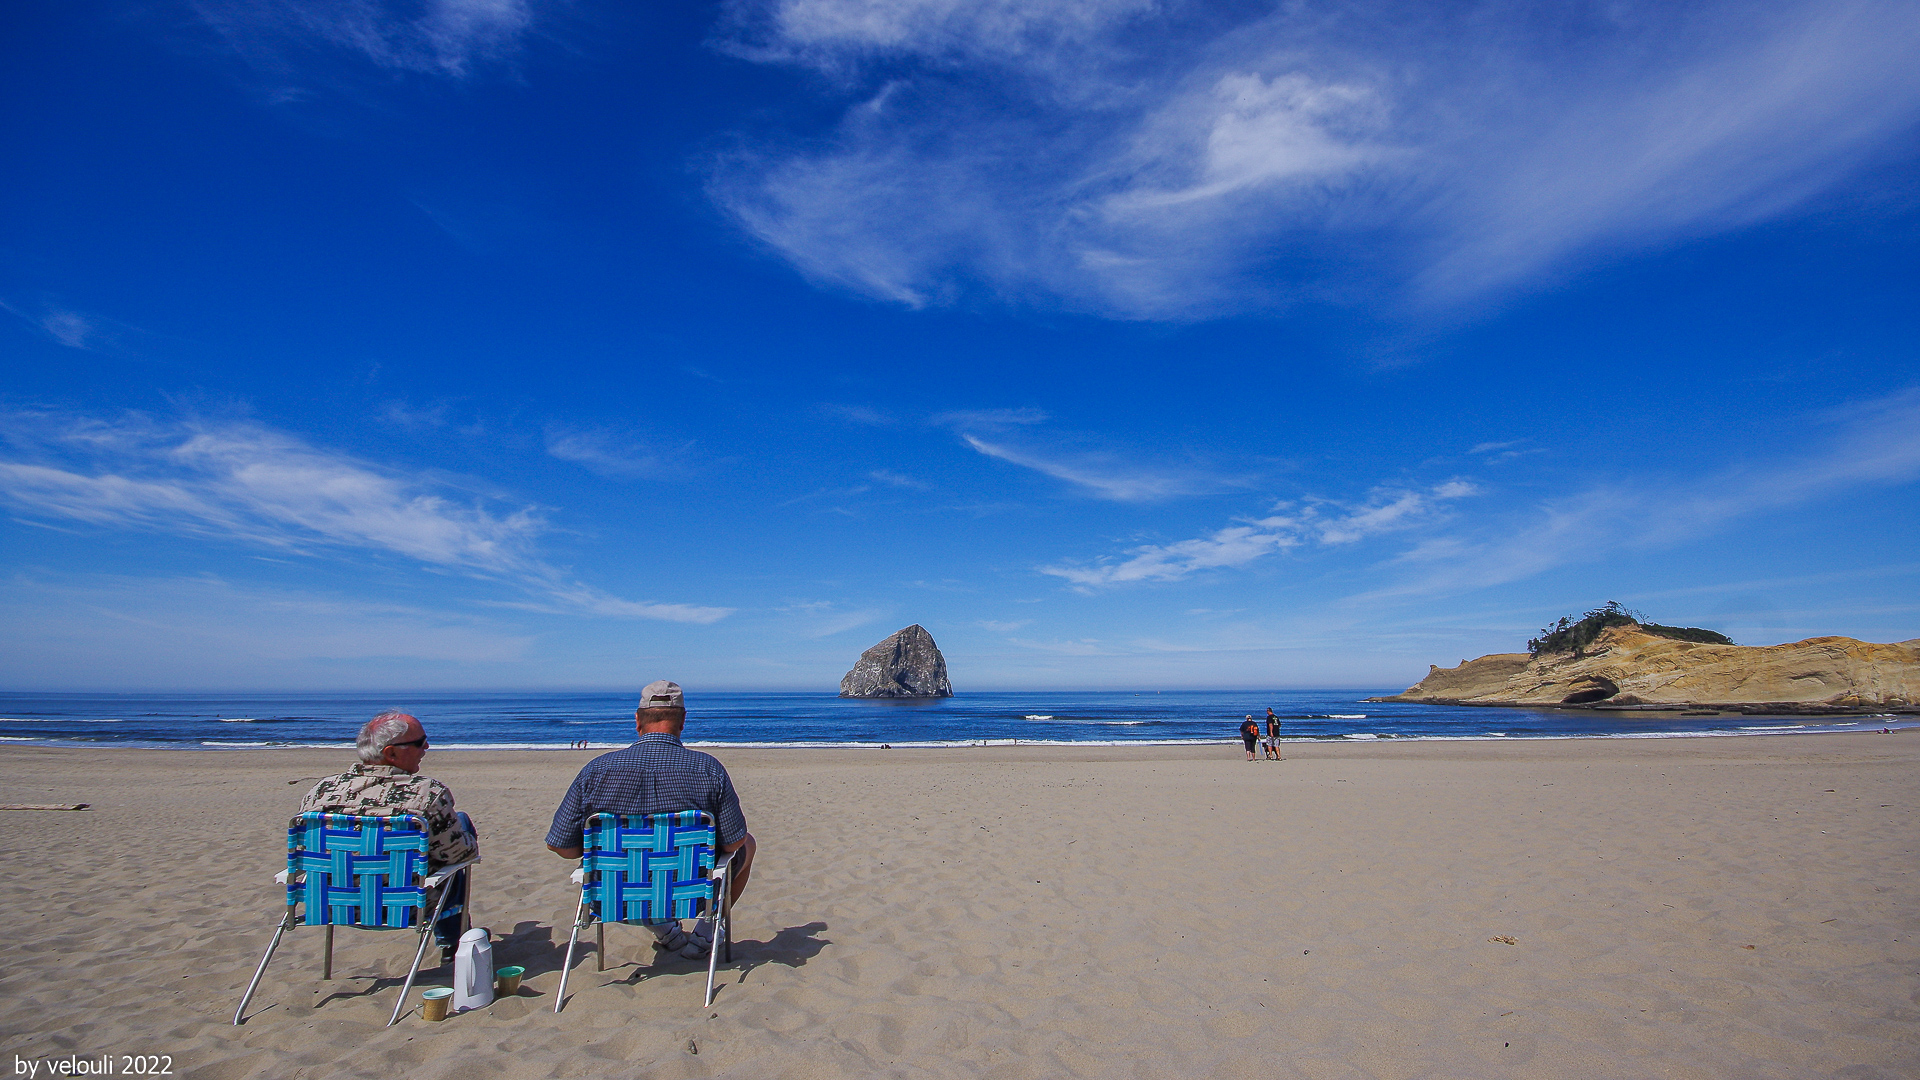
(369, 873)
(647, 869)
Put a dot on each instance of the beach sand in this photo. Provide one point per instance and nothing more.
(1717, 907)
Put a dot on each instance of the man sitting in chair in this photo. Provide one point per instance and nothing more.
(387, 782)
(656, 775)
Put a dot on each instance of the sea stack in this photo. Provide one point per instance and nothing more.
(906, 665)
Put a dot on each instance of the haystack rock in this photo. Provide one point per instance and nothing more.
(1626, 668)
(906, 665)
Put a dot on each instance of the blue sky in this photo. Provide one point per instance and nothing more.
(503, 344)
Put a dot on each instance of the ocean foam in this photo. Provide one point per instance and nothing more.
(1358, 736)
(958, 744)
(270, 745)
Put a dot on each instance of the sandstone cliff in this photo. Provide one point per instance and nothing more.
(906, 665)
(1625, 668)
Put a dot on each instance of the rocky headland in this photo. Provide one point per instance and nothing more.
(1625, 667)
(906, 665)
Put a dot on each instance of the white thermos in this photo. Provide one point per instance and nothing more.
(473, 971)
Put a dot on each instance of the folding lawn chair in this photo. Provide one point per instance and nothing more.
(363, 872)
(646, 869)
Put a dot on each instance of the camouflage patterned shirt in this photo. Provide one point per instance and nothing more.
(382, 791)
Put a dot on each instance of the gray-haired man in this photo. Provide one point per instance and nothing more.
(387, 781)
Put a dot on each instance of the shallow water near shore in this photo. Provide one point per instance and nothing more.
(775, 719)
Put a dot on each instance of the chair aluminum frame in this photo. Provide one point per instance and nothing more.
(292, 918)
(719, 905)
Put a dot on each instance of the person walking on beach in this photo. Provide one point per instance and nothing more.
(1273, 736)
(1249, 734)
(386, 782)
(656, 775)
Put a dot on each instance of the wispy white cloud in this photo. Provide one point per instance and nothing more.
(860, 414)
(1153, 165)
(825, 618)
(75, 329)
(67, 327)
(1250, 132)
(894, 479)
(1004, 626)
(988, 418)
(572, 597)
(405, 415)
(201, 631)
(1874, 443)
(1386, 512)
(1238, 545)
(1234, 546)
(824, 32)
(436, 37)
(1692, 147)
(607, 454)
(1107, 478)
(246, 482)
(1082, 647)
(829, 493)
(1496, 453)
(243, 482)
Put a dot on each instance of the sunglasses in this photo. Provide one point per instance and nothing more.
(420, 742)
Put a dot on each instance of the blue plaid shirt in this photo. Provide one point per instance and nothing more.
(655, 775)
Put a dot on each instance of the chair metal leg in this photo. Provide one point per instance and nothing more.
(600, 946)
(426, 935)
(466, 906)
(326, 955)
(579, 918)
(720, 928)
(278, 931)
(726, 908)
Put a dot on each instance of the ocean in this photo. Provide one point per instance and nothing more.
(474, 721)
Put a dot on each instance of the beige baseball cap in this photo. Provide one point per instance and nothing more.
(662, 694)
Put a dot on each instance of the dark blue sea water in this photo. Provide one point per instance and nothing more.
(555, 720)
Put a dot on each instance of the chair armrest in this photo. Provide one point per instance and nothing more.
(441, 875)
(281, 877)
(579, 875)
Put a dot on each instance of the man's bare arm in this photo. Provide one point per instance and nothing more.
(565, 852)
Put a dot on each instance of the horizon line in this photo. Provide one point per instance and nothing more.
(389, 691)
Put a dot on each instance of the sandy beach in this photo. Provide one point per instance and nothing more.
(1716, 907)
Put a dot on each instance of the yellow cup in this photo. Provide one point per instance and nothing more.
(434, 1001)
(508, 981)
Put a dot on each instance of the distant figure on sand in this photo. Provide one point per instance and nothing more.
(656, 775)
(1273, 736)
(1249, 734)
(386, 782)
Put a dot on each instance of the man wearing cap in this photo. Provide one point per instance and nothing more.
(656, 775)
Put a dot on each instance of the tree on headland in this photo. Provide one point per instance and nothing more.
(1571, 635)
